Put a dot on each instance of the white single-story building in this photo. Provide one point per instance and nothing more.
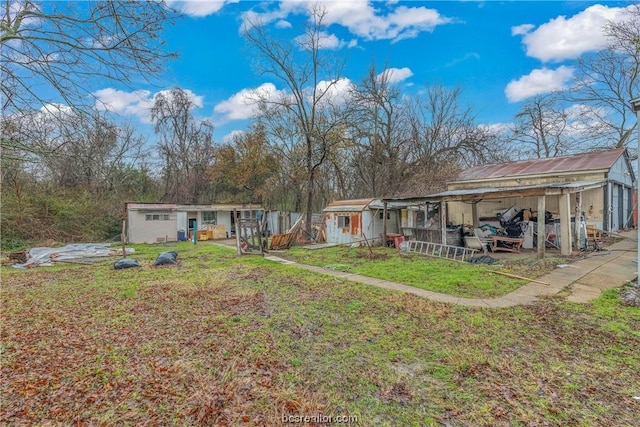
(160, 222)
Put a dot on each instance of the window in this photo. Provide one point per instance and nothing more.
(209, 217)
(381, 215)
(343, 221)
(157, 217)
(250, 214)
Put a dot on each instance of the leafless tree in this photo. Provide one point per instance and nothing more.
(608, 79)
(50, 51)
(72, 152)
(185, 146)
(540, 129)
(301, 122)
(381, 134)
(445, 134)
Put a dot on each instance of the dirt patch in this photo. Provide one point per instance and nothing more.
(372, 255)
(397, 392)
(532, 267)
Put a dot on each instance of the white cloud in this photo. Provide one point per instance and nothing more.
(496, 128)
(199, 8)
(521, 30)
(361, 18)
(395, 75)
(283, 24)
(244, 104)
(584, 119)
(325, 41)
(336, 92)
(464, 58)
(231, 136)
(538, 82)
(568, 38)
(56, 110)
(137, 103)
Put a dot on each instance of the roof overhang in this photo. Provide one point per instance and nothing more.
(155, 207)
(477, 194)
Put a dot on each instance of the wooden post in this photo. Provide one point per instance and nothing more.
(384, 225)
(122, 238)
(258, 228)
(474, 214)
(443, 222)
(237, 227)
(565, 225)
(542, 230)
(578, 224)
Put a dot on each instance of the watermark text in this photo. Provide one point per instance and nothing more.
(320, 418)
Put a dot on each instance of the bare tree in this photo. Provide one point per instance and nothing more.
(444, 132)
(540, 129)
(50, 50)
(185, 145)
(75, 151)
(303, 121)
(607, 80)
(381, 133)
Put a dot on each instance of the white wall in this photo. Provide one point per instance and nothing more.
(141, 230)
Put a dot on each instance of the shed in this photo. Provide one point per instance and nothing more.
(159, 222)
(354, 221)
(595, 187)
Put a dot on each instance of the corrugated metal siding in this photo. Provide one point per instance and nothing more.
(620, 172)
(337, 234)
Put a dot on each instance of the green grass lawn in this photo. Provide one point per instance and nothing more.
(455, 278)
(227, 340)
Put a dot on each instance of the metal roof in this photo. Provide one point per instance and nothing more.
(578, 186)
(151, 206)
(354, 205)
(593, 161)
(191, 207)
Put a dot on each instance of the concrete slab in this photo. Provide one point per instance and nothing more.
(583, 294)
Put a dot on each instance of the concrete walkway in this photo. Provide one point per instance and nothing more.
(585, 279)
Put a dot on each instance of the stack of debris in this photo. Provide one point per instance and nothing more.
(285, 241)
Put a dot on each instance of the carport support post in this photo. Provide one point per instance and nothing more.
(635, 103)
(565, 225)
(384, 225)
(542, 230)
(474, 214)
(577, 229)
(443, 221)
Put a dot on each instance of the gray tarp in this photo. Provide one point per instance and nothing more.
(74, 251)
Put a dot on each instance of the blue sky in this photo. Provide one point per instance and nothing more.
(499, 53)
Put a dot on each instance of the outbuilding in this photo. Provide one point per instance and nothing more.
(595, 188)
(160, 222)
(360, 221)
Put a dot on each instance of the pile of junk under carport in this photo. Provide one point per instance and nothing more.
(512, 230)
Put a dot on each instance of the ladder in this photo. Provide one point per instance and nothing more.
(454, 253)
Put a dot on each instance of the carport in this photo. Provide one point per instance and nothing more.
(560, 191)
